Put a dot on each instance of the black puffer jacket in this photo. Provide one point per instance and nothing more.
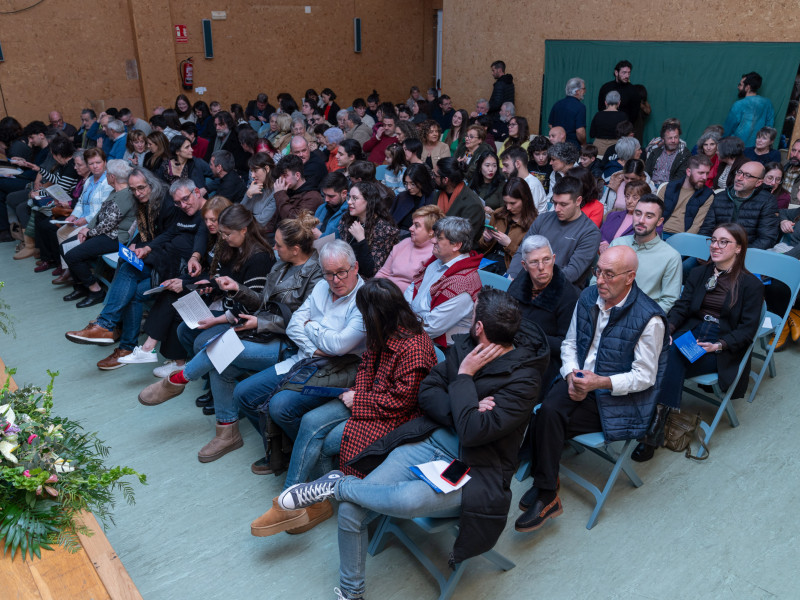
(758, 215)
(489, 440)
(503, 91)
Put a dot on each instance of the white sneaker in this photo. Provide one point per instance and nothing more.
(166, 369)
(140, 356)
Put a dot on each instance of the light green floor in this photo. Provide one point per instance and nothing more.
(723, 528)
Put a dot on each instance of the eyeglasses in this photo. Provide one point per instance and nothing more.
(470, 136)
(141, 188)
(182, 201)
(537, 263)
(719, 243)
(340, 275)
(740, 173)
(607, 275)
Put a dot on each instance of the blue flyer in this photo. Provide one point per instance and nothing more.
(688, 346)
(129, 257)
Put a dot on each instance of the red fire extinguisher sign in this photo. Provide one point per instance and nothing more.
(181, 34)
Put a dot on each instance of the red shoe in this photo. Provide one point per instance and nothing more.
(43, 266)
(58, 271)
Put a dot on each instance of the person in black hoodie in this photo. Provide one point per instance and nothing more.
(476, 406)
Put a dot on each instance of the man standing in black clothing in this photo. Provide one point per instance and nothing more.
(628, 93)
(503, 90)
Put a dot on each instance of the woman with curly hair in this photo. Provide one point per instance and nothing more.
(368, 227)
(432, 147)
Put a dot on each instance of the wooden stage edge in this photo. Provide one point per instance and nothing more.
(94, 572)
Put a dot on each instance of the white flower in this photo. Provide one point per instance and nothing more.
(62, 466)
(7, 446)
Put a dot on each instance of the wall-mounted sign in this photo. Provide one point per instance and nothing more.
(181, 35)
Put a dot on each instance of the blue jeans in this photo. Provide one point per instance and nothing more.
(319, 438)
(254, 357)
(286, 408)
(391, 489)
(124, 303)
(194, 340)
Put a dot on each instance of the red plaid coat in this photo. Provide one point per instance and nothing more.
(386, 393)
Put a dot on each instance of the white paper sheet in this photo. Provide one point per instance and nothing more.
(318, 244)
(70, 245)
(224, 349)
(57, 192)
(192, 309)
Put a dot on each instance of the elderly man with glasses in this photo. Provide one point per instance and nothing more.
(747, 203)
(613, 359)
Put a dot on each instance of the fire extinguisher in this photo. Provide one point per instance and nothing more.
(186, 70)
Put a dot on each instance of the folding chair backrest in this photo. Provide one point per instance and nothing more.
(776, 266)
(494, 280)
(690, 244)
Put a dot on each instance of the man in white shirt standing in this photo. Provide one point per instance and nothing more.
(612, 360)
(443, 292)
(515, 164)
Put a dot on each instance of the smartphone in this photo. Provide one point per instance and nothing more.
(487, 226)
(195, 286)
(455, 472)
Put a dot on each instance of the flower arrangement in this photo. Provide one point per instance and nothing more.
(50, 471)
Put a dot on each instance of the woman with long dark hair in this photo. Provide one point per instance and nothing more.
(330, 108)
(518, 134)
(368, 228)
(433, 148)
(399, 356)
(260, 196)
(509, 224)
(203, 119)
(488, 180)
(721, 306)
(419, 192)
(454, 136)
(157, 151)
(181, 163)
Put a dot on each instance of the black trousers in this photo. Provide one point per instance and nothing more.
(162, 325)
(81, 258)
(558, 419)
(46, 237)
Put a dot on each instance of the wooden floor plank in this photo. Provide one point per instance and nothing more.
(106, 562)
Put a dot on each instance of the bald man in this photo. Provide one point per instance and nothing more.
(557, 134)
(613, 358)
(313, 164)
(747, 203)
(57, 125)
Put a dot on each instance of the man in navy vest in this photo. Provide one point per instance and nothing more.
(612, 359)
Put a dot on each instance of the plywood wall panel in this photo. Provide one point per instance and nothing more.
(515, 32)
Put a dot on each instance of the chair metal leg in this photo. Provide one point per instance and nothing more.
(378, 541)
(524, 470)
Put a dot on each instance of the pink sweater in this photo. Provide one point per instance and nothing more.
(404, 262)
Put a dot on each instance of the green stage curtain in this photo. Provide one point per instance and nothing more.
(693, 81)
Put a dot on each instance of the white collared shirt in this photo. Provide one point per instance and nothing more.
(334, 327)
(645, 355)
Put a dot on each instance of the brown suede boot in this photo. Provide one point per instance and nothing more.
(227, 440)
(317, 513)
(277, 519)
(160, 392)
(28, 251)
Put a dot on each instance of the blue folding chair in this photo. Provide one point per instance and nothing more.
(720, 399)
(595, 442)
(494, 280)
(786, 270)
(690, 244)
(447, 581)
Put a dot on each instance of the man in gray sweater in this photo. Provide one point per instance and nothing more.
(572, 235)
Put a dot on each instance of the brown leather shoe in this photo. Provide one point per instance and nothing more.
(317, 513)
(162, 391)
(226, 440)
(109, 363)
(277, 519)
(92, 334)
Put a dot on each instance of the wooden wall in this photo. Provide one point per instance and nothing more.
(515, 32)
(70, 54)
